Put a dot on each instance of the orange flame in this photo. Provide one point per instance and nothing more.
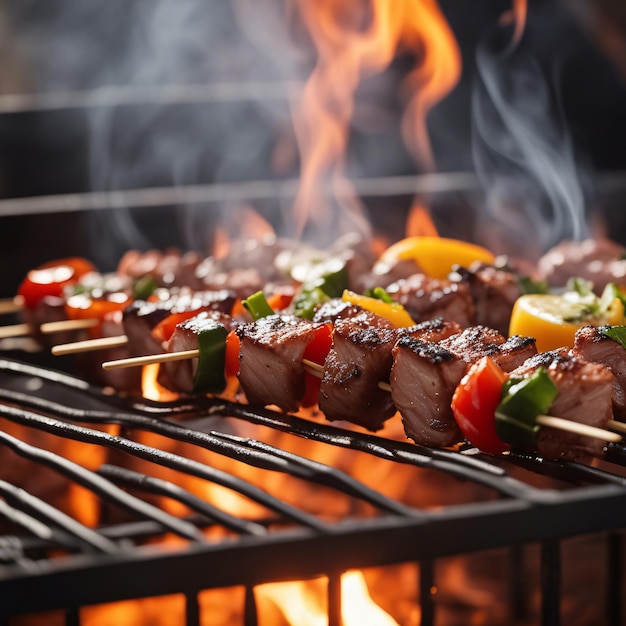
(516, 15)
(420, 223)
(303, 602)
(353, 40)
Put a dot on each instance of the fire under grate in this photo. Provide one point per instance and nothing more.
(113, 562)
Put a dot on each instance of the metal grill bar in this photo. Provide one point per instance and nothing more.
(591, 500)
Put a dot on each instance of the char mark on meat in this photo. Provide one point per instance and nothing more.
(426, 298)
(433, 330)
(585, 392)
(359, 358)
(334, 309)
(593, 345)
(494, 292)
(142, 316)
(271, 354)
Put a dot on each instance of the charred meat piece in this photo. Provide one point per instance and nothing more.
(425, 375)
(599, 261)
(434, 330)
(585, 392)
(494, 292)
(423, 378)
(593, 345)
(179, 376)
(167, 269)
(478, 341)
(142, 316)
(359, 358)
(425, 298)
(334, 309)
(271, 369)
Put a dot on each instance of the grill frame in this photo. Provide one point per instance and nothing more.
(595, 502)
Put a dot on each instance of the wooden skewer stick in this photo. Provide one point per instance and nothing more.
(89, 345)
(578, 428)
(63, 325)
(318, 370)
(620, 427)
(11, 305)
(151, 359)
(14, 330)
(544, 420)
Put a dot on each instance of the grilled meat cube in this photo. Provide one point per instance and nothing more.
(494, 292)
(478, 341)
(167, 269)
(423, 378)
(142, 316)
(425, 375)
(90, 364)
(384, 273)
(426, 298)
(433, 330)
(598, 260)
(514, 351)
(271, 353)
(593, 345)
(179, 376)
(585, 392)
(48, 309)
(334, 309)
(359, 358)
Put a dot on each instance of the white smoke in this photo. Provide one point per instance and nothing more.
(523, 152)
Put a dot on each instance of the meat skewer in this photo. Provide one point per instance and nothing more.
(458, 342)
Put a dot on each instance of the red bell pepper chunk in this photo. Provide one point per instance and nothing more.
(474, 405)
(50, 279)
(233, 344)
(166, 327)
(316, 351)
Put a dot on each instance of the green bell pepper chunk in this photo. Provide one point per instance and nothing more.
(210, 376)
(257, 306)
(318, 291)
(523, 399)
(144, 287)
(617, 333)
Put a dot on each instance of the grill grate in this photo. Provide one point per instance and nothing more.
(114, 563)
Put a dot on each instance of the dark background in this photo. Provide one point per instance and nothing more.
(68, 46)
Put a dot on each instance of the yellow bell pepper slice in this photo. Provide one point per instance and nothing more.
(546, 318)
(437, 255)
(393, 311)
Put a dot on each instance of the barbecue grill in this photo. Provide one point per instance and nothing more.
(116, 562)
(525, 508)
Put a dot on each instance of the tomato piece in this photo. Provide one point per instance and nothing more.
(316, 351)
(233, 344)
(437, 255)
(83, 306)
(50, 279)
(474, 405)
